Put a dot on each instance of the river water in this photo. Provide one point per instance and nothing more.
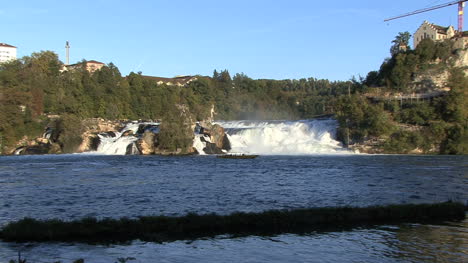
(75, 186)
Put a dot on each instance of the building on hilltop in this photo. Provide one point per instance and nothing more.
(176, 81)
(7, 52)
(434, 32)
(90, 66)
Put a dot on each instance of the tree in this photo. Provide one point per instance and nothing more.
(400, 41)
(426, 50)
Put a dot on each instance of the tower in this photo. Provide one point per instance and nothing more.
(461, 5)
(67, 47)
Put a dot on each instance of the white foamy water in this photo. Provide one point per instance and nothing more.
(198, 144)
(118, 145)
(259, 137)
(284, 137)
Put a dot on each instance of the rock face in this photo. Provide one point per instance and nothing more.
(39, 146)
(436, 79)
(146, 143)
(93, 127)
(215, 138)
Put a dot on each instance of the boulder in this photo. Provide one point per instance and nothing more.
(217, 135)
(132, 149)
(127, 133)
(90, 142)
(146, 143)
(211, 148)
(39, 148)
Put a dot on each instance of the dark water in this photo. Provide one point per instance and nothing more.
(75, 186)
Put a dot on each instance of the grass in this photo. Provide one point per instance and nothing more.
(193, 226)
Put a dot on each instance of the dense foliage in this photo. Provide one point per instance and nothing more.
(435, 125)
(398, 72)
(33, 87)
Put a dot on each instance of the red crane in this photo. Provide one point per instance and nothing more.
(460, 3)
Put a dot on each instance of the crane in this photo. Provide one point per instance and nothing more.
(461, 5)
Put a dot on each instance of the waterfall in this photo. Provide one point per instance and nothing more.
(284, 137)
(123, 142)
(257, 137)
(199, 143)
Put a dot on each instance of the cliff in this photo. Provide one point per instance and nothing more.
(415, 103)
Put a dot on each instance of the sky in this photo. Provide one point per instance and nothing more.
(272, 39)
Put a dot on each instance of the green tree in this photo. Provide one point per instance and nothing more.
(401, 40)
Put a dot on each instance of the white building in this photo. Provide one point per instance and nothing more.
(7, 52)
(434, 32)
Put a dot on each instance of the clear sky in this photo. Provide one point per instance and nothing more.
(275, 39)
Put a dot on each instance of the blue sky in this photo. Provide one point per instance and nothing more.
(264, 39)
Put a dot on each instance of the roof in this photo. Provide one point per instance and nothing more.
(6, 45)
(181, 80)
(440, 29)
(87, 61)
(94, 61)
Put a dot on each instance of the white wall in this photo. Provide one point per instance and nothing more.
(7, 53)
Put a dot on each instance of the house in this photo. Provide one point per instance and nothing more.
(176, 81)
(90, 65)
(7, 52)
(434, 32)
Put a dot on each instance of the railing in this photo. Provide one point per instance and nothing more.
(413, 96)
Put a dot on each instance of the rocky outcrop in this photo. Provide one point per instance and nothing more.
(146, 144)
(148, 139)
(96, 126)
(214, 138)
(38, 146)
(436, 78)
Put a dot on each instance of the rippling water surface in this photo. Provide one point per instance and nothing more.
(75, 186)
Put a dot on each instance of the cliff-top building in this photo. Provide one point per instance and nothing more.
(432, 31)
(176, 81)
(90, 66)
(7, 52)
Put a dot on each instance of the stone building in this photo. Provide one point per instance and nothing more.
(7, 52)
(432, 31)
(90, 65)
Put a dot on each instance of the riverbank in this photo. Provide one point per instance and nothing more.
(194, 226)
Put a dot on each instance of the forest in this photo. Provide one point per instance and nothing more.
(35, 87)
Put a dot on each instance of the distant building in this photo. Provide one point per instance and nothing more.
(434, 32)
(176, 81)
(90, 65)
(7, 52)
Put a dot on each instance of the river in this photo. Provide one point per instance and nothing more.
(81, 185)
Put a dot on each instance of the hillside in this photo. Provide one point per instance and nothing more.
(35, 94)
(415, 103)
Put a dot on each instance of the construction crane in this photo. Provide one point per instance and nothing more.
(461, 5)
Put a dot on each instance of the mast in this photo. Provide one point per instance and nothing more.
(461, 4)
(67, 47)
